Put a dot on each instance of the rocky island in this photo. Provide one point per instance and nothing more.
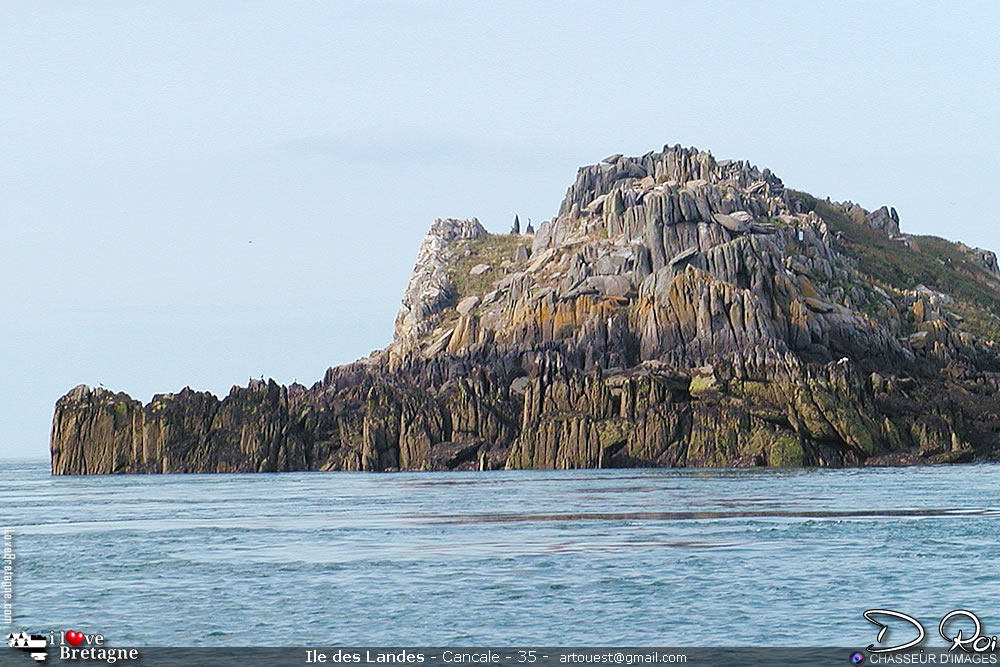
(678, 311)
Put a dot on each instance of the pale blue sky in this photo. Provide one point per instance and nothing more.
(143, 145)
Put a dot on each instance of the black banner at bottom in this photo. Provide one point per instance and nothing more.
(480, 657)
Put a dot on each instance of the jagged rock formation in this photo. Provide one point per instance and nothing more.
(884, 219)
(985, 258)
(678, 311)
(429, 290)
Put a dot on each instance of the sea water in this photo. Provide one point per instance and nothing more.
(557, 558)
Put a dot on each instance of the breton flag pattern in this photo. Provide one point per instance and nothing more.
(34, 644)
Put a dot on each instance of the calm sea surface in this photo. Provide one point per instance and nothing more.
(597, 557)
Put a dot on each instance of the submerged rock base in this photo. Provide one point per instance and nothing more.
(452, 414)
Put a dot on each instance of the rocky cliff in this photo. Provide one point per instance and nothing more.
(678, 311)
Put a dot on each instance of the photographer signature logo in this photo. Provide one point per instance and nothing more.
(976, 642)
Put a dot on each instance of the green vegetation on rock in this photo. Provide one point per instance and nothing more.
(923, 260)
(786, 450)
(491, 250)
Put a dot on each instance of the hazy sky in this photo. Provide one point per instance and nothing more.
(194, 193)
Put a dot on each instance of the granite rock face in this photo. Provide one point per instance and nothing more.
(429, 290)
(678, 311)
(884, 219)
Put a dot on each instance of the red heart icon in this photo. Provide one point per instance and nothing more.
(73, 637)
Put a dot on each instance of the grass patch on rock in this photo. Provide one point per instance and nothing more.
(939, 264)
(491, 250)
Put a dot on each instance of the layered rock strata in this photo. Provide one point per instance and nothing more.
(678, 311)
